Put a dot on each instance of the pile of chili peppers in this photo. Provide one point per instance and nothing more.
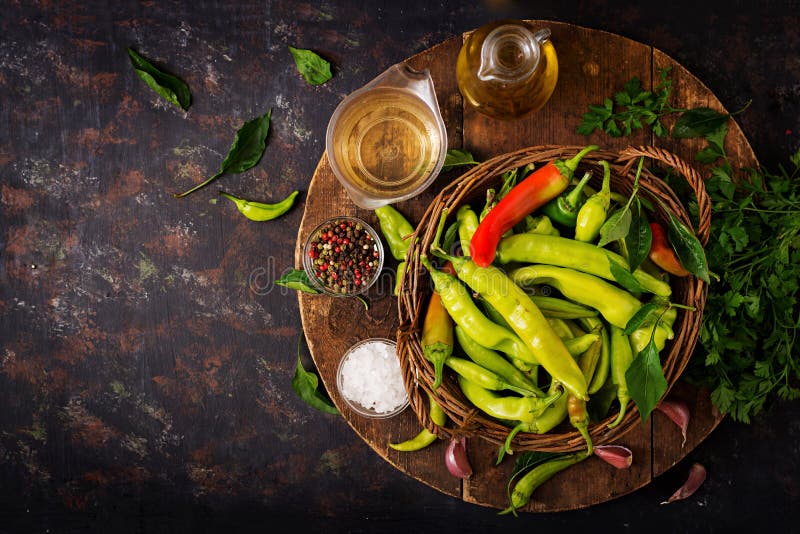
(530, 317)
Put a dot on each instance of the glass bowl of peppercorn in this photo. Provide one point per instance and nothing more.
(343, 256)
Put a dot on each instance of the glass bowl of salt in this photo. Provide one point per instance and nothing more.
(370, 380)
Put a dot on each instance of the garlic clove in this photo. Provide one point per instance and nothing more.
(455, 458)
(678, 412)
(616, 455)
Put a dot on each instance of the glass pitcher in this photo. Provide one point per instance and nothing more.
(507, 69)
(387, 141)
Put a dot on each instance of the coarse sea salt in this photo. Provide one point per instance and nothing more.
(370, 376)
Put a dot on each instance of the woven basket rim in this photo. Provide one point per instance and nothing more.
(415, 289)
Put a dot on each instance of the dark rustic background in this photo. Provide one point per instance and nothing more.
(145, 377)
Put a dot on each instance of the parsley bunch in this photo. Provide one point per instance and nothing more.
(748, 341)
(636, 106)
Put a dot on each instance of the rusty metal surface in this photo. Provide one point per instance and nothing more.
(145, 360)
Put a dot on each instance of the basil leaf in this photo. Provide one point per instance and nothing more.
(616, 226)
(297, 279)
(639, 237)
(313, 68)
(245, 152)
(688, 248)
(698, 122)
(624, 278)
(645, 378)
(305, 383)
(640, 317)
(171, 88)
(456, 158)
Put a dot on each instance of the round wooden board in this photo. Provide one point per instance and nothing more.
(593, 64)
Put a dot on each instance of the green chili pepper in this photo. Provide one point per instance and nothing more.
(621, 358)
(522, 314)
(564, 252)
(259, 211)
(539, 225)
(616, 305)
(425, 437)
(560, 327)
(526, 320)
(489, 359)
(594, 211)
(398, 277)
(394, 228)
(563, 209)
(537, 476)
(553, 307)
(550, 418)
(465, 313)
(437, 336)
(578, 345)
(485, 378)
(595, 361)
(527, 368)
(506, 407)
(467, 224)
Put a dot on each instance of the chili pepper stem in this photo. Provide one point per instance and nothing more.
(572, 163)
(572, 198)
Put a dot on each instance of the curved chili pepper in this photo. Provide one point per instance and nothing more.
(259, 211)
(564, 208)
(394, 228)
(547, 421)
(596, 361)
(594, 211)
(661, 252)
(579, 419)
(621, 358)
(540, 224)
(565, 252)
(485, 378)
(463, 310)
(526, 320)
(425, 437)
(506, 407)
(489, 359)
(467, 224)
(398, 277)
(437, 336)
(616, 305)
(534, 191)
(553, 307)
(537, 476)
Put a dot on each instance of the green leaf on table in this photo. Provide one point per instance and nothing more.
(688, 248)
(297, 279)
(616, 226)
(639, 237)
(645, 378)
(313, 68)
(169, 87)
(640, 317)
(457, 158)
(305, 384)
(698, 122)
(245, 152)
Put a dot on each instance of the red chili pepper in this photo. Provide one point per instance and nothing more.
(661, 252)
(533, 192)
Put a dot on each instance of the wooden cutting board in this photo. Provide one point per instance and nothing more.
(593, 64)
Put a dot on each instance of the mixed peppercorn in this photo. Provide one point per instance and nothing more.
(344, 256)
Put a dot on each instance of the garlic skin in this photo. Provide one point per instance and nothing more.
(678, 412)
(697, 475)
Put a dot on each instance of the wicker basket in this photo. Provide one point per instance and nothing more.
(470, 187)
